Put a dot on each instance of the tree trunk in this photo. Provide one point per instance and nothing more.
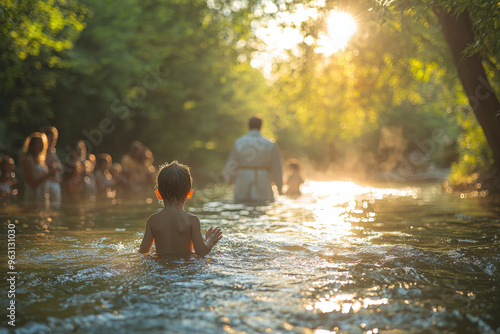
(457, 31)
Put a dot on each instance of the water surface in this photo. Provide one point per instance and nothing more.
(343, 258)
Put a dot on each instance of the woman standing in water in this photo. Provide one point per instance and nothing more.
(53, 161)
(36, 172)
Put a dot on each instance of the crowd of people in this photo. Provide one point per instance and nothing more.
(79, 175)
(254, 164)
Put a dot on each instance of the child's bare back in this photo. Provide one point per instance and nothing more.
(173, 230)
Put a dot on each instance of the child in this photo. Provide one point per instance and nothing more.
(173, 230)
(294, 179)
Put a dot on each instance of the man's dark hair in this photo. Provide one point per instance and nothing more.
(174, 181)
(255, 123)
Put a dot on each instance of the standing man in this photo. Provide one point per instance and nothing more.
(254, 163)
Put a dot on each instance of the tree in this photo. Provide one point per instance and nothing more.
(35, 36)
(389, 75)
(165, 72)
(472, 45)
(458, 31)
(471, 30)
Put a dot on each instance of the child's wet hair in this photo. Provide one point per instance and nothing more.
(173, 181)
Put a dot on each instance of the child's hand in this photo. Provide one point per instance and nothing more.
(213, 234)
(210, 231)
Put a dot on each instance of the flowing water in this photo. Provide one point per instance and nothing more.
(343, 258)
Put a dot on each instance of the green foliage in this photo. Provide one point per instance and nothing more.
(35, 36)
(475, 155)
(176, 75)
(392, 74)
(33, 25)
(165, 72)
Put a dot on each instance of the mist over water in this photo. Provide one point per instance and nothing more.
(342, 258)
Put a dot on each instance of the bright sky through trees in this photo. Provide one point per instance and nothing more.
(340, 28)
(283, 35)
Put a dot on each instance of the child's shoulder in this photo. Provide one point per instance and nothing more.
(191, 216)
(155, 216)
(168, 215)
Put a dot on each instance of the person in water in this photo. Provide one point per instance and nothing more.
(173, 230)
(253, 165)
(294, 179)
(52, 160)
(36, 172)
(104, 179)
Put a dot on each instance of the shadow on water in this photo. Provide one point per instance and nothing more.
(342, 258)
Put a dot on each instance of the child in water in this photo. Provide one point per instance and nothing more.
(294, 179)
(173, 230)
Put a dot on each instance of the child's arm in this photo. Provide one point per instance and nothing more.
(213, 236)
(147, 240)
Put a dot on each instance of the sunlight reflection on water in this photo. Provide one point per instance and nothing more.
(341, 258)
(337, 204)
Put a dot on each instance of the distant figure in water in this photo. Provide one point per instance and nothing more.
(74, 181)
(253, 165)
(122, 184)
(173, 230)
(78, 178)
(36, 172)
(294, 179)
(53, 160)
(147, 160)
(103, 176)
(138, 166)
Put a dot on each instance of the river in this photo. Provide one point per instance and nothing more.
(343, 258)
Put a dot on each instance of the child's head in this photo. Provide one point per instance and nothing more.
(294, 165)
(174, 182)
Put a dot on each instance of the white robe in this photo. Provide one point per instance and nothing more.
(253, 164)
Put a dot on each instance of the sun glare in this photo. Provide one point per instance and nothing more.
(281, 36)
(341, 27)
